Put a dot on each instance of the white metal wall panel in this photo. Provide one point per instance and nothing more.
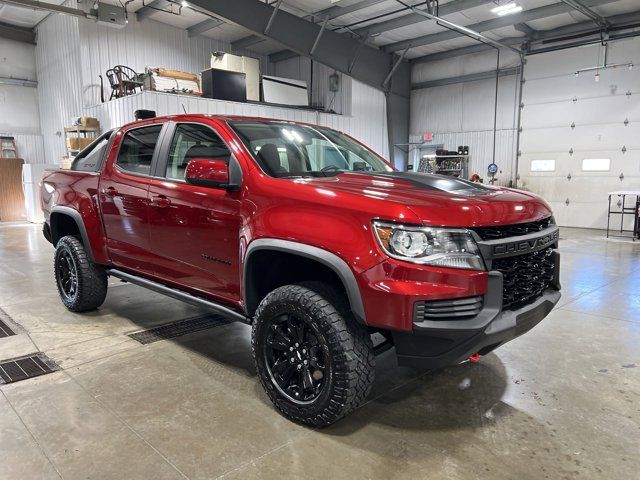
(554, 99)
(462, 114)
(463, 65)
(58, 63)
(30, 148)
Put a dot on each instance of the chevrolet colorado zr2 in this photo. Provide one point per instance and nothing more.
(311, 238)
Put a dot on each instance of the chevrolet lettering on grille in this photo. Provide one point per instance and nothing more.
(524, 246)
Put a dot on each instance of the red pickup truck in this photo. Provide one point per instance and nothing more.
(310, 237)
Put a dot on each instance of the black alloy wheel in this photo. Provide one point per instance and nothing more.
(296, 359)
(67, 275)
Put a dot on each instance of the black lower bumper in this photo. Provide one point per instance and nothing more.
(436, 344)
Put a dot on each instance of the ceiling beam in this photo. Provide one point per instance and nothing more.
(447, 9)
(587, 12)
(329, 13)
(526, 29)
(203, 27)
(20, 82)
(503, 72)
(18, 34)
(46, 7)
(334, 50)
(495, 23)
(616, 21)
(151, 8)
(458, 52)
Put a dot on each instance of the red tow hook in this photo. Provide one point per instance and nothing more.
(475, 358)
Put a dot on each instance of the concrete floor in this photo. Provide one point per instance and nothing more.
(563, 401)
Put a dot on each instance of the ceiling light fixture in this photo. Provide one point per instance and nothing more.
(506, 9)
(184, 3)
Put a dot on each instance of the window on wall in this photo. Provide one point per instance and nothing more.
(543, 165)
(596, 164)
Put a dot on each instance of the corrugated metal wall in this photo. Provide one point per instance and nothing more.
(463, 113)
(300, 68)
(30, 148)
(71, 53)
(367, 124)
(59, 71)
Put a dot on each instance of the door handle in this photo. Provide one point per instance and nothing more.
(110, 191)
(160, 201)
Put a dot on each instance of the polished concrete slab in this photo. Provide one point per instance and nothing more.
(563, 401)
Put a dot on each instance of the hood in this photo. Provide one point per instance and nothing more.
(434, 199)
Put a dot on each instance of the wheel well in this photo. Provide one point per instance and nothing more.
(63, 225)
(267, 270)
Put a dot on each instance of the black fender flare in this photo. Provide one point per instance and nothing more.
(75, 215)
(331, 260)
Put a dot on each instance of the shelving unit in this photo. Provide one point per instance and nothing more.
(78, 137)
(435, 159)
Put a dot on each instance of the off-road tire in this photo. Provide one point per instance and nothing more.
(347, 344)
(91, 278)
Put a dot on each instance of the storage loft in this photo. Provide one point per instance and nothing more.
(119, 111)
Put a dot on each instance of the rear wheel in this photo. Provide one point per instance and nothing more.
(82, 285)
(314, 361)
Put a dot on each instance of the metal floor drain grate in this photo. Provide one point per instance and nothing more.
(21, 368)
(179, 328)
(5, 330)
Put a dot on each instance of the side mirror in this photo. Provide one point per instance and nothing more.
(206, 172)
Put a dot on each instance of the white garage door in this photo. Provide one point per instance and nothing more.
(580, 136)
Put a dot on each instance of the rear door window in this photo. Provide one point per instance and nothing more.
(136, 150)
(90, 159)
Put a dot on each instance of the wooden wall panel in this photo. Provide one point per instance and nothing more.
(11, 195)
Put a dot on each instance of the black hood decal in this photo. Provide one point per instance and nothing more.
(436, 182)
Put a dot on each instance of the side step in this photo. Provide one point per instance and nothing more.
(179, 295)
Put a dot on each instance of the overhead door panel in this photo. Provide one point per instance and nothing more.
(568, 118)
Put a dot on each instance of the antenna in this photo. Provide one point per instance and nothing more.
(184, 109)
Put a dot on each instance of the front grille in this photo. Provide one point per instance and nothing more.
(525, 276)
(447, 309)
(515, 230)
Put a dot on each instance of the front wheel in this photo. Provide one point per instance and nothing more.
(314, 361)
(82, 285)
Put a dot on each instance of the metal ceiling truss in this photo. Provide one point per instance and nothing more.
(151, 8)
(454, 29)
(587, 12)
(626, 20)
(501, 22)
(338, 51)
(18, 34)
(203, 27)
(453, 6)
(327, 14)
(47, 7)
(491, 74)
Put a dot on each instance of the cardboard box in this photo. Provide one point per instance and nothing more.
(88, 122)
(78, 143)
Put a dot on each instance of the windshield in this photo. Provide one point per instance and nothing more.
(292, 150)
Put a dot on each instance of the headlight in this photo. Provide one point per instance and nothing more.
(440, 247)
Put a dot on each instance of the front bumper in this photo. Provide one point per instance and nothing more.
(435, 344)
